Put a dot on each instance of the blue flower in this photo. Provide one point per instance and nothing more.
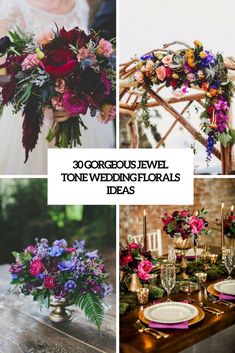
(55, 251)
(112, 60)
(14, 276)
(41, 276)
(79, 244)
(70, 286)
(92, 254)
(62, 243)
(66, 265)
(146, 57)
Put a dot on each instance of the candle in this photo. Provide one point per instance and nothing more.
(145, 232)
(232, 208)
(222, 225)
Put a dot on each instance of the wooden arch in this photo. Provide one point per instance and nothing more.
(130, 104)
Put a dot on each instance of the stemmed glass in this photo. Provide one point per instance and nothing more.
(229, 260)
(168, 277)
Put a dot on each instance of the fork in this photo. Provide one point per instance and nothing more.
(211, 310)
(219, 301)
(162, 334)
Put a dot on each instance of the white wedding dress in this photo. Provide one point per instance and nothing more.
(20, 13)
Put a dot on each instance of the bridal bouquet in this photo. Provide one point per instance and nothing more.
(67, 71)
(185, 223)
(190, 68)
(61, 272)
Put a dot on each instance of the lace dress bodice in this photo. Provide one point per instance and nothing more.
(19, 13)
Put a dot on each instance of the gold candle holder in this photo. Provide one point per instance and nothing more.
(201, 278)
(213, 258)
(142, 295)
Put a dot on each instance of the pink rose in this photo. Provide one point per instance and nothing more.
(184, 213)
(133, 246)
(196, 224)
(30, 249)
(144, 268)
(84, 53)
(167, 60)
(161, 72)
(45, 38)
(57, 103)
(104, 48)
(139, 76)
(30, 61)
(49, 282)
(36, 267)
(107, 113)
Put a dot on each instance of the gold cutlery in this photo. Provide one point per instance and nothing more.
(211, 310)
(162, 334)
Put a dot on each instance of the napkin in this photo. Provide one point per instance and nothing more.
(180, 326)
(189, 257)
(223, 296)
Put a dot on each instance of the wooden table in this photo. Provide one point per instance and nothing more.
(26, 329)
(131, 341)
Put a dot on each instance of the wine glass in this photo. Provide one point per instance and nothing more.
(229, 260)
(168, 277)
(171, 254)
(188, 287)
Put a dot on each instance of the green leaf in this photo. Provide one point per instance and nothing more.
(92, 306)
(170, 227)
(225, 138)
(232, 134)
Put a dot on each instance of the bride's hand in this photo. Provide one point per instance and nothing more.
(61, 116)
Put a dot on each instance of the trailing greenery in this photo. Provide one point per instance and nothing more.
(92, 306)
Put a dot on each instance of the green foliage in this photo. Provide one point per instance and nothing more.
(155, 292)
(123, 308)
(225, 138)
(92, 306)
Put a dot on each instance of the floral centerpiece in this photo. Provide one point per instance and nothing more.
(229, 225)
(136, 263)
(189, 68)
(67, 274)
(185, 225)
(67, 71)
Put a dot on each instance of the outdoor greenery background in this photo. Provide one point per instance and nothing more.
(25, 215)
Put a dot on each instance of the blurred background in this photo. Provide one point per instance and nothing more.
(208, 193)
(25, 215)
(148, 24)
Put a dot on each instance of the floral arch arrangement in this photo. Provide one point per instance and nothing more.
(190, 67)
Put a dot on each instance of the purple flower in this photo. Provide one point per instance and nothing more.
(107, 289)
(70, 286)
(41, 276)
(66, 265)
(16, 268)
(221, 105)
(92, 254)
(146, 57)
(55, 251)
(79, 245)
(5, 43)
(42, 249)
(14, 276)
(62, 243)
(209, 59)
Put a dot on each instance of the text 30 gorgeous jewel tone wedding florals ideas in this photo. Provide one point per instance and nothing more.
(64, 70)
(189, 68)
(72, 274)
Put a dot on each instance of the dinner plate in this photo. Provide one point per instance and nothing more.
(195, 320)
(226, 287)
(170, 312)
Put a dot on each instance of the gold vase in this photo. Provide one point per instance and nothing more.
(60, 313)
(183, 245)
(132, 282)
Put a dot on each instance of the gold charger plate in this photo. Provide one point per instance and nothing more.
(211, 290)
(200, 316)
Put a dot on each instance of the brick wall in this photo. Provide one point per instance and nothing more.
(208, 193)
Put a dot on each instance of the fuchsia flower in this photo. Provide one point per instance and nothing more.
(161, 72)
(104, 48)
(184, 213)
(196, 224)
(73, 104)
(30, 61)
(36, 267)
(107, 113)
(144, 268)
(133, 246)
(30, 249)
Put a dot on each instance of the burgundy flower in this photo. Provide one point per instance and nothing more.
(133, 246)
(8, 91)
(74, 36)
(59, 62)
(73, 104)
(49, 282)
